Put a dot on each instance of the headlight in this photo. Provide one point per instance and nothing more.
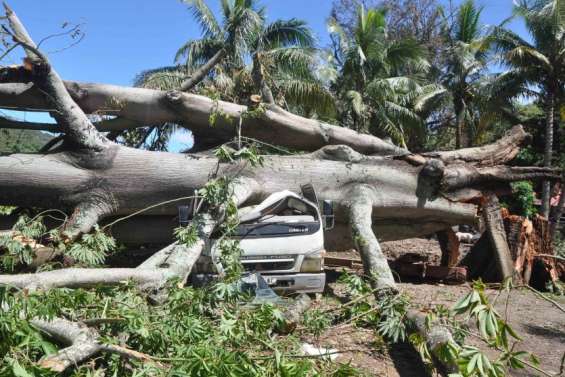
(313, 263)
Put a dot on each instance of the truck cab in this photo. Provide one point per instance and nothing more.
(282, 238)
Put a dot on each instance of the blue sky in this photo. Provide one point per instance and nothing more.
(124, 37)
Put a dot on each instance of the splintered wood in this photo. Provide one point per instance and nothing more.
(531, 249)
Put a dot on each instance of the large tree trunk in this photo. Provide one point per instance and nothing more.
(124, 180)
(149, 107)
(393, 193)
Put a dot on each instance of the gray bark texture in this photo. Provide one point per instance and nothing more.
(495, 229)
(380, 191)
(82, 343)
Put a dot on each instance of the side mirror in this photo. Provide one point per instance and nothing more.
(328, 214)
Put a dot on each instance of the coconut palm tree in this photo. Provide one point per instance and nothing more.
(464, 83)
(220, 41)
(379, 78)
(244, 55)
(538, 67)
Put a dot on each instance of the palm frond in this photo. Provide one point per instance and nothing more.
(467, 24)
(285, 33)
(165, 78)
(430, 98)
(309, 94)
(204, 16)
(291, 59)
(523, 56)
(196, 52)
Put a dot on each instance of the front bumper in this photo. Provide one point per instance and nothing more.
(300, 283)
(291, 283)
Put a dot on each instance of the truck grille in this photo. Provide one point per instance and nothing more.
(268, 262)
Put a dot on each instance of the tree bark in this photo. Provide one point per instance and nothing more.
(460, 141)
(83, 343)
(97, 178)
(360, 216)
(198, 75)
(147, 107)
(127, 180)
(548, 154)
(259, 78)
(497, 234)
(380, 275)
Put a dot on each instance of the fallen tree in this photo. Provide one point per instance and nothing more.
(390, 194)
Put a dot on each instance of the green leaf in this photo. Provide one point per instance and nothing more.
(472, 363)
(462, 304)
(18, 370)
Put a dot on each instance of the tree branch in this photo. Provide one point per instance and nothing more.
(68, 115)
(174, 261)
(360, 217)
(83, 343)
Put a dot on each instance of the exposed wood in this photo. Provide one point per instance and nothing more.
(530, 248)
(558, 212)
(449, 244)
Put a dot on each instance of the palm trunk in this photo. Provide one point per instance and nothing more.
(548, 154)
(201, 72)
(259, 78)
(460, 124)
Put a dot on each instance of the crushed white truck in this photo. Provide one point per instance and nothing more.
(283, 239)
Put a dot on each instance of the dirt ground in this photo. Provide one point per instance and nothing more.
(537, 321)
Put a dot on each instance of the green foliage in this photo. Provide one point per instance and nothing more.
(392, 312)
(355, 284)
(229, 257)
(379, 78)
(22, 141)
(17, 246)
(316, 321)
(522, 200)
(216, 113)
(249, 153)
(201, 336)
(187, 235)
(92, 248)
(6, 210)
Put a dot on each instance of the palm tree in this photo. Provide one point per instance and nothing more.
(464, 84)
(230, 39)
(379, 78)
(537, 67)
(281, 54)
